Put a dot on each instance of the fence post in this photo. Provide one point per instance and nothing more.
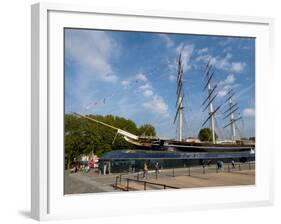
(173, 172)
(189, 171)
(164, 186)
(127, 184)
(120, 177)
(156, 173)
(144, 185)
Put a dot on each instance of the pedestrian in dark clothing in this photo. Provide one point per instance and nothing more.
(233, 164)
(145, 170)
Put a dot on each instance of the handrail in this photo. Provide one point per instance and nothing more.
(147, 182)
(238, 166)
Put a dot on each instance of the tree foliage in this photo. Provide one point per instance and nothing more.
(205, 134)
(252, 139)
(147, 130)
(83, 136)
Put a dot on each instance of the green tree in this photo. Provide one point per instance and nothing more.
(252, 139)
(147, 130)
(83, 136)
(205, 134)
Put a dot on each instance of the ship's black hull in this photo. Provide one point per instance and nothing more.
(193, 147)
(190, 148)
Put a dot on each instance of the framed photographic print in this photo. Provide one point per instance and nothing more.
(165, 111)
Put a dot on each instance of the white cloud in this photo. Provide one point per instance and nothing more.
(125, 83)
(227, 41)
(156, 105)
(173, 66)
(227, 49)
(169, 43)
(225, 90)
(205, 58)
(186, 52)
(230, 79)
(145, 86)
(249, 112)
(141, 77)
(226, 85)
(237, 66)
(92, 52)
(148, 92)
(172, 77)
(202, 50)
(223, 63)
(222, 93)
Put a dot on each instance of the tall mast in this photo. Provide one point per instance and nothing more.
(180, 97)
(211, 110)
(230, 112)
(231, 119)
(210, 98)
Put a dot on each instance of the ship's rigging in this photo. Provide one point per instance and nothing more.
(156, 143)
(179, 103)
(230, 113)
(210, 99)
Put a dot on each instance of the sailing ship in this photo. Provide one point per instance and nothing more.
(234, 147)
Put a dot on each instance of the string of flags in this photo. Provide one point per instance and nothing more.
(105, 99)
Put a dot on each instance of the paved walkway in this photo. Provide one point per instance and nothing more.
(76, 183)
(197, 180)
(92, 182)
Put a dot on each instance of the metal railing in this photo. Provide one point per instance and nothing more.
(179, 171)
(145, 183)
(187, 170)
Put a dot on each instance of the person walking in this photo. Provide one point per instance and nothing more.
(109, 167)
(157, 168)
(104, 168)
(145, 170)
(233, 164)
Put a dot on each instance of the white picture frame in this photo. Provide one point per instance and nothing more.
(48, 201)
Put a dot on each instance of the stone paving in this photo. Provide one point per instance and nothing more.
(92, 182)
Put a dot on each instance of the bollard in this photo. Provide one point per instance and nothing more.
(203, 169)
(120, 177)
(138, 176)
(164, 186)
(156, 174)
(249, 165)
(188, 171)
(228, 168)
(173, 172)
(239, 167)
(116, 181)
(144, 185)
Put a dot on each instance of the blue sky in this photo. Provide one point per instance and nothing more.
(133, 74)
